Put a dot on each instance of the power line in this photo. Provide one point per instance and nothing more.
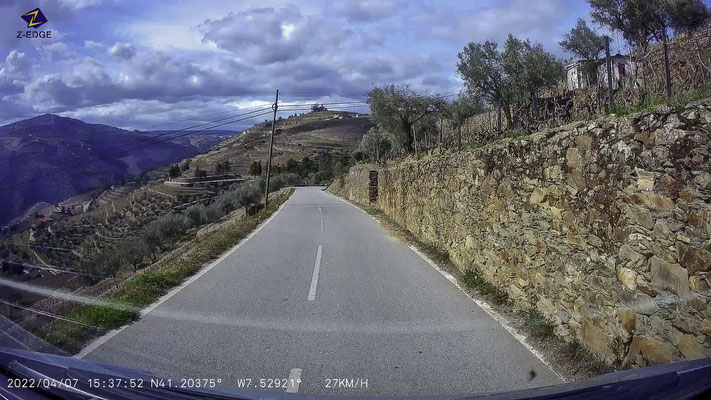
(123, 152)
(47, 314)
(151, 138)
(34, 245)
(439, 95)
(55, 269)
(323, 104)
(317, 94)
(99, 158)
(339, 109)
(197, 117)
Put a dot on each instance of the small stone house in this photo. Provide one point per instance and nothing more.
(575, 75)
(622, 71)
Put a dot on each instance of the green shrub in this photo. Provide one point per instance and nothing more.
(213, 213)
(248, 193)
(196, 214)
(171, 227)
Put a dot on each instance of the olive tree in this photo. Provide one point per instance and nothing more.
(462, 108)
(642, 21)
(397, 109)
(375, 144)
(213, 212)
(247, 194)
(102, 264)
(530, 68)
(152, 237)
(133, 250)
(195, 214)
(171, 226)
(512, 75)
(482, 68)
(583, 41)
(586, 44)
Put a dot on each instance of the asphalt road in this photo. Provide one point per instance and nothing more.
(377, 315)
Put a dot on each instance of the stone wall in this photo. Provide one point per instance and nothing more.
(601, 226)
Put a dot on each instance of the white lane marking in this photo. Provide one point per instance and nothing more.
(320, 211)
(294, 380)
(98, 342)
(314, 278)
(482, 304)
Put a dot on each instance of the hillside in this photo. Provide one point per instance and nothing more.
(327, 132)
(113, 213)
(32, 148)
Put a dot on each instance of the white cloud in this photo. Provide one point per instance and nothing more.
(258, 35)
(79, 4)
(92, 45)
(194, 58)
(369, 10)
(16, 65)
(122, 51)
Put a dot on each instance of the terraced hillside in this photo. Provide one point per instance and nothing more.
(326, 133)
(78, 228)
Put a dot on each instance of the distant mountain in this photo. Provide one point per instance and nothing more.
(62, 147)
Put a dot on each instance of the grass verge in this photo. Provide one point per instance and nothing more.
(147, 287)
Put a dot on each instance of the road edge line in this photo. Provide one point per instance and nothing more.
(500, 319)
(98, 342)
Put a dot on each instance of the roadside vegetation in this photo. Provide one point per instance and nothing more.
(85, 322)
(318, 169)
(158, 236)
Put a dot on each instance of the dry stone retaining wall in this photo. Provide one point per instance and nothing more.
(604, 227)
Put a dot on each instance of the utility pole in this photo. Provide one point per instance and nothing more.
(275, 106)
(609, 70)
(666, 63)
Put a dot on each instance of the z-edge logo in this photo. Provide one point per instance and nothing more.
(34, 18)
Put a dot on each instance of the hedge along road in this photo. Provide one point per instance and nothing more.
(322, 294)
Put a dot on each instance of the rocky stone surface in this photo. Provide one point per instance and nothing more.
(604, 227)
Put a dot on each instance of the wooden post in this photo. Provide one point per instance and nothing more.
(666, 63)
(609, 70)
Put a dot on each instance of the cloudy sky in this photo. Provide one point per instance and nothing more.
(136, 64)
